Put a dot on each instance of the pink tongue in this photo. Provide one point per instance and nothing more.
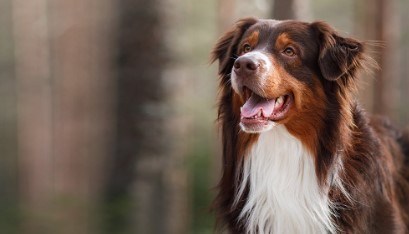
(256, 103)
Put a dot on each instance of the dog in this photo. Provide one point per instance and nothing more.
(299, 153)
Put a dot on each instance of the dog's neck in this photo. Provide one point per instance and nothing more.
(283, 191)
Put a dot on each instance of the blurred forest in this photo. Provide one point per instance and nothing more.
(108, 107)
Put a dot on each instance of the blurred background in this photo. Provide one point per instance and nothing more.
(108, 107)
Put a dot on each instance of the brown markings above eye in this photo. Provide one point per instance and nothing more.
(246, 48)
(289, 51)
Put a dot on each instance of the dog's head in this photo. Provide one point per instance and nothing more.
(284, 71)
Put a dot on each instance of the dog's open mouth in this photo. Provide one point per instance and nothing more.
(259, 110)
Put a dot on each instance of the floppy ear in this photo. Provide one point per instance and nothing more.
(226, 46)
(338, 55)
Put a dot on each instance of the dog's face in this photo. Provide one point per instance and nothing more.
(271, 72)
(278, 70)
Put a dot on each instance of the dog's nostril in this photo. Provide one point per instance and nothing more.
(251, 65)
(236, 64)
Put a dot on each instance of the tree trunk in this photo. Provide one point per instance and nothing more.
(64, 105)
(33, 75)
(404, 89)
(380, 23)
(225, 15)
(291, 9)
(147, 176)
(83, 106)
(284, 9)
(9, 214)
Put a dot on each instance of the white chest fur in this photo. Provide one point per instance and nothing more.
(284, 195)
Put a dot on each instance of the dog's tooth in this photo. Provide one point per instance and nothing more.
(259, 114)
(279, 100)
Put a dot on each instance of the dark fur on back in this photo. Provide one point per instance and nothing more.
(371, 155)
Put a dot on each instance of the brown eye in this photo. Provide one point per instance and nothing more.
(246, 48)
(289, 51)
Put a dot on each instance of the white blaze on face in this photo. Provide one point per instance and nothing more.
(266, 67)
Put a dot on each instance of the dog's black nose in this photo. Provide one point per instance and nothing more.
(245, 65)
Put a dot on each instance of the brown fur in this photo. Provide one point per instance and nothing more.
(325, 118)
(251, 40)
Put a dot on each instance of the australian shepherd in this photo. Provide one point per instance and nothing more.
(299, 153)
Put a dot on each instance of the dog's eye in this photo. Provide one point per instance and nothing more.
(289, 51)
(246, 48)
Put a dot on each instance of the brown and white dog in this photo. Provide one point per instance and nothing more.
(299, 154)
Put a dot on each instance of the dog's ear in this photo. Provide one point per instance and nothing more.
(338, 55)
(226, 46)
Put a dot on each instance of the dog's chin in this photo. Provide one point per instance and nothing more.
(257, 127)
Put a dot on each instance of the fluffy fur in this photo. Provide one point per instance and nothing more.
(283, 196)
(320, 166)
